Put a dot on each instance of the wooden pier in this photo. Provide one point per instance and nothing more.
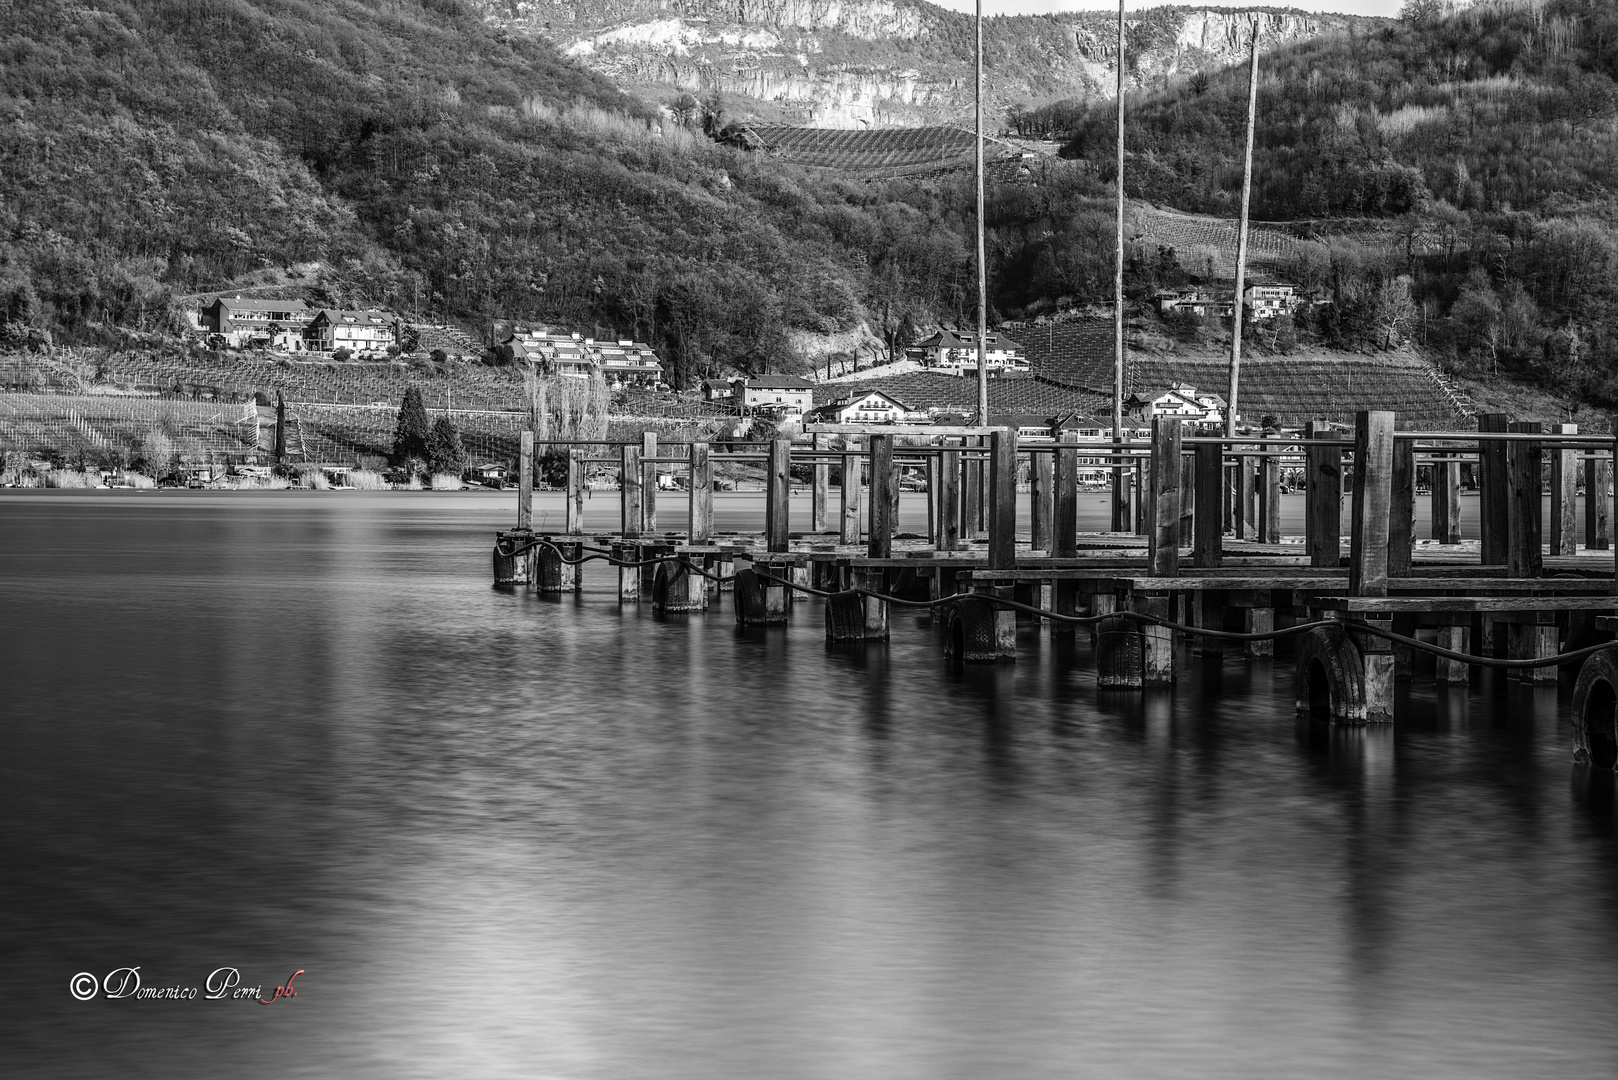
(1207, 569)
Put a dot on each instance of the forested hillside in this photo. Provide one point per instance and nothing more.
(153, 148)
(1489, 140)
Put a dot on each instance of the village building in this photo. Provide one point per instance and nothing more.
(364, 333)
(557, 352)
(870, 407)
(957, 352)
(267, 324)
(626, 363)
(785, 396)
(717, 391)
(1266, 298)
(1182, 400)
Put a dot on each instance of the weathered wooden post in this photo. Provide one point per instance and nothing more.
(1530, 635)
(1493, 501)
(1246, 513)
(879, 544)
(1524, 556)
(849, 494)
(1208, 519)
(1269, 495)
(1324, 495)
(1065, 529)
(1041, 475)
(1402, 509)
(648, 509)
(699, 527)
(972, 469)
(949, 500)
(1446, 495)
(1565, 495)
(822, 487)
(778, 490)
(629, 491)
(557, 569)
(1597, 483)
(574, 511)
(525, 481)
(1003, 499)
(1368, 556)
(1163, 548)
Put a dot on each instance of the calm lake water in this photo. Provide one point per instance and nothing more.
(506, 835)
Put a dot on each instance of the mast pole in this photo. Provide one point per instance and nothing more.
(1119, 509)
(1241, 240)
(983, 289)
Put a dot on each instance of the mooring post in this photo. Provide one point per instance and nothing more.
(1368, 555)
(629, 507)
(1446, 494)
(1207, 526)
(700, 524)
(1065, 501)
(1565, 495)
(525, 481)
(1524, 557)
(822, 487)
(777, 492)
(931, 472)
(949, 500)
(1597, 481)
(1455, 639)
(972, 469)
(1402, 509)
(1143, 496)
(879, 542)
(628, 576)
(1041, 474)
(1269, 496)
(1003, 499)
(574, 510)
(648, 506)
(1324, 494)
(1493, 500)
(849, 494)
(1163, 548)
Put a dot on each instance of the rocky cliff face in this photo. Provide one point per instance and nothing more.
(849, 63)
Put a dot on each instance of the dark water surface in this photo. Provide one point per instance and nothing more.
(506, 835)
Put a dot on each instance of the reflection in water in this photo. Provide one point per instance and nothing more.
(513, 835)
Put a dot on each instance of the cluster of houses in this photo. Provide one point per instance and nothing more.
(293, 326)
(1263, 298)
(567, 353)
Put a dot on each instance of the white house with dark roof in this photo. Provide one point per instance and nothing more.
(560, 352)
(275, 324)
(365, 333)
(957, 352)
(865, 407)
(1182, 400)
(1267, 298)
(626, 363)
(785, 396)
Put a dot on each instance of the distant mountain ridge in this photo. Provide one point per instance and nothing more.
(855, 63)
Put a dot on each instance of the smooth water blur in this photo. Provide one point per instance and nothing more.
(512, 835)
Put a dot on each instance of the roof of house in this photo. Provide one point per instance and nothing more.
(849, 399)
(778, 382)
(953, 339)
(372, 316)
(240, 304)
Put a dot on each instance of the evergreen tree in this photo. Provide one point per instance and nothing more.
(445, 454)
(411, 435)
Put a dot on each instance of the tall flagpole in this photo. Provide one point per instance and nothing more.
(1241, 241)
(983, 289)
(1119, 503)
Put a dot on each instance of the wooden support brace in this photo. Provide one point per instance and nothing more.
(1065, 503)
(1041, 477)
(949, 500)
(525, 481)
(1373, 486)
(778, 489)
(1597, 484)
(1455, 639)
(1163, 551)
(821, 489)
(849, 493)
(574, 511)
(629, 504)
(1157, 642)
(1260, 620)
(1446, 504)
(1402, 509)
(648, 508)
(628, 576)
(1538, 640)
(1208, 613)
(1269, 500)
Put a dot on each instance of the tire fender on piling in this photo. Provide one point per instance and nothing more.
(1595, 711)
(845, 616)
(1120, 659)
(970, 631)
(1331, 674)
(749, 590)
